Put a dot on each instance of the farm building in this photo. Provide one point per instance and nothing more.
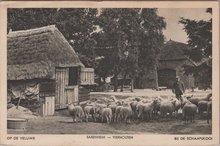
(41, 64)
(171, 62)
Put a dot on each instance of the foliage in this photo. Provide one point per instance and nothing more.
(115, 42)
(75, 24)
(200, 40)
(133, 37)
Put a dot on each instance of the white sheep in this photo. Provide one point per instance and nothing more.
(167, 107)
(117, 113)
(202, 106)
(184, 100)
(189, 111)
(90, 109)
(113, 108)
(114, 98)
(139, 110)
(148, 109)
(156, 109)
(126, 112)
(195, 100)
(107, 115)
(133, 105)
(76, 111)
(177, 105)
(99, 108)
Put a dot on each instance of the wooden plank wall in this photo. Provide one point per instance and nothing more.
(87, 76)
(64, 93)
(71, 93)
(61, 83)
(48, 107)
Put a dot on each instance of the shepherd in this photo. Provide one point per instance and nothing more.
(178, 89)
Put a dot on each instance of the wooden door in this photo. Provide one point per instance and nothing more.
(61, 76)
(166, 77)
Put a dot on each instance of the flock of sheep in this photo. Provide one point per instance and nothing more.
(141, 109)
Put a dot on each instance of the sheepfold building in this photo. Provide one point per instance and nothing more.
(171, 62)
(41, 63)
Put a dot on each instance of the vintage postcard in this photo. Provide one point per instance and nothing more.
(109, 73)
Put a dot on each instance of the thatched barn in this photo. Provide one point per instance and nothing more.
(41, 63)
(172, 59)
(171, 62)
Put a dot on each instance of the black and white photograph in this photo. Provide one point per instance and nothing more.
(111, 72)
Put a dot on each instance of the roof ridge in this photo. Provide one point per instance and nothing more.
(31, 31)
(174, 41)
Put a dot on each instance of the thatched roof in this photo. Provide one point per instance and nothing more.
(172, 55)
(35, 53)
(173, 51)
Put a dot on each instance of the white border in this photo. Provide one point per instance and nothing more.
(81, 139)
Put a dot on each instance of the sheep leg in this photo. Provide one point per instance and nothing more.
(193, 118)
(171, 115)
(87, 117)
(102, 119)
(175, 114)
(93, 117)
(199, 111)
(150, 116)
(78, 118)
(184, 118)
(74, 119)
(109, 120)
(158, 118)
(81, 118)
(113, 117)
(126, 119)
(117, 118)
(147, 117)
(129, 120)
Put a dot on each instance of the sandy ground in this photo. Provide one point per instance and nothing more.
(150, 93)
(65, 125)
(61, 124)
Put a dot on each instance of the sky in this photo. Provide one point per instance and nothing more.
(174, 30)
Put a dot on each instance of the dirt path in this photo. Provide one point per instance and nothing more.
(64, 125)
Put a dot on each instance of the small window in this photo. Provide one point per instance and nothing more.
(73, 76)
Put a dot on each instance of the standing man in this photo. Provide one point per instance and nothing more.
(178, 89)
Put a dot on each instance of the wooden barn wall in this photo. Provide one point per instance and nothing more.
(71, 93)
(87, 76)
